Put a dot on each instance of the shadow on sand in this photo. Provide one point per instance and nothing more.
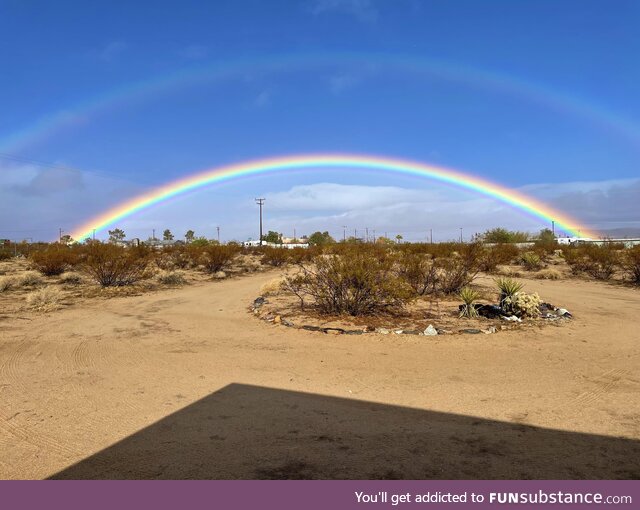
(253, 432)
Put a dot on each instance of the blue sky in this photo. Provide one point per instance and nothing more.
(540, 96)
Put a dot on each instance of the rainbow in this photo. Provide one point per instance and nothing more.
(497, 82)
(517, 200)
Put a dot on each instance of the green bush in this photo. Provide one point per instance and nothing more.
(531, 261)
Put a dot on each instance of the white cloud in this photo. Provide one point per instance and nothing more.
(364, 11)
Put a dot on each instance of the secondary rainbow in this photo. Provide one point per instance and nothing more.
(519, 201)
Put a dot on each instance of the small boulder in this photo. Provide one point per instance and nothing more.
(382, 331)
(333, 331)
(277, 319)
(430, 331)
(471, 331)
(311, 328)
(220, 275)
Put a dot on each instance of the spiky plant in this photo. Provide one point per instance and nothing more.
(508, 288)
(469, 296)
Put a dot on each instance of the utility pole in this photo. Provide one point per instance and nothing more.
(260, 201)
(154, 234)
(344, 233)
(431, 236)
(60, 231)
(294, 234)
(366, 229)
(355, 233)
(460, 235)
(374, 235)
(553, 227)
(218, 229)
(94, 234)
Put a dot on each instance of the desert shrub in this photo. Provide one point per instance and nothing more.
(175, 257)
(495, 255)
(5, 254)
(522, 304)
(602, 261)
(111, 265)
(71, 278)
(508, 288)
(631, 264)
(272, 287)
(531, 261)
(275, 257)
(216, 257)
(7, 283)
(548, 274)
(28, 279)
(459, 269)
(45, 299)
(54, 259)
(356, 282)
(171, 278)
(418, 270)
(469, 296)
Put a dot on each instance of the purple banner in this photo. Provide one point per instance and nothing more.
(317, 495)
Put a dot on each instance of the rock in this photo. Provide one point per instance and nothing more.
(333, 331)
(269, 317)
(489, 311)
(444, 331)
(397, 331)
(430, 331)
(563, 312)
(511, 318)
(382, 331)
(287, 323)
(311, 328)
(411, 332)
(354, 332)
(259, 301)
(220, 275)
(489, 330)
(277, 319)
(471, 331)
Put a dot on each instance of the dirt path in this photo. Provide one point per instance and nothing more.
(186, 384)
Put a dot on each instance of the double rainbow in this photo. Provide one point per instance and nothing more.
(517, 200)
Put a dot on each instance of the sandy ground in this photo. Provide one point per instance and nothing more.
(185, 383)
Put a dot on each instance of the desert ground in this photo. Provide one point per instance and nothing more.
(187, 383)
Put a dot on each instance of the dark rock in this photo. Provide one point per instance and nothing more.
(259, 301)
(471, 331)
(333, 331)
(311, 328)
(354, 332)
(488, 311)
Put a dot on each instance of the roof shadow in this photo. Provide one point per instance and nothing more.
(252, 432)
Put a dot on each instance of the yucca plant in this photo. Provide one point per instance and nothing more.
(508, 288)
(469, 296)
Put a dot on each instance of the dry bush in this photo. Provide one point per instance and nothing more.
(217, 257)
(7, 283)
(71, 279)
(419, 271)
(28, 279)
(272, 287)
(171, 278)
(54, 260)
(631, 264)
(600, 262)
(497, 255)
(355, 282)
(5, 254)
(114, 266)
(459, 269)
(275, 257)
(548, 274)
(45, 299)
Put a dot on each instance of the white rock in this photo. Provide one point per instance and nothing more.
(430, 331)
